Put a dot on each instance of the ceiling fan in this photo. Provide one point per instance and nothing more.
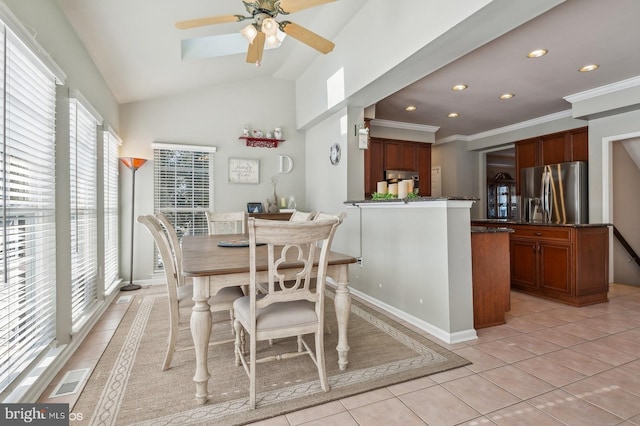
(265, 29)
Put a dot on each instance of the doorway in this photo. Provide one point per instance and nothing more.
(625, 204)
(498, 184)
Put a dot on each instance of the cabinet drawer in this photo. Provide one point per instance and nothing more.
(546, 232)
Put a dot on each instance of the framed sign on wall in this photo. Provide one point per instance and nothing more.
(244, 170)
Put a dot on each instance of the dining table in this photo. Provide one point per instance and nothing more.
(217, 261)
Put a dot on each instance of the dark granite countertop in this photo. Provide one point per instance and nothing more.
(508, 222)
(489, 229)
(410, 200)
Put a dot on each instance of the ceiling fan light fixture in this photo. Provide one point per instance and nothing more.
(269, 27)
(249, 32)
(273, 41)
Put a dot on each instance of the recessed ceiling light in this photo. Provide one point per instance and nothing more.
(588, 68)
(459, 87)
(410, 108)
(453, 115)
(537, 53)
(507, 96)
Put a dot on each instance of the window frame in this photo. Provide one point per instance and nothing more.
(187, 218)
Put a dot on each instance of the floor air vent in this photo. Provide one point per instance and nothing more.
(71, 382)
(124, 299)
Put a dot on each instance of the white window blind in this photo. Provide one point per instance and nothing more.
(84, 258)
(183, 186)
(111, 142)
(27, 231)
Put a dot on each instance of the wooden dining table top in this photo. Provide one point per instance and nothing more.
(202, 256)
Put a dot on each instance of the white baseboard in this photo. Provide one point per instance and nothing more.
(450, 338)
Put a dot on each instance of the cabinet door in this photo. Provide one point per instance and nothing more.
(553, 148)
(523, 263)
(526, 156)
(392, 155)
(399, 155)
(580, 144)
(423, 167)
(373, 166)
(555, 267)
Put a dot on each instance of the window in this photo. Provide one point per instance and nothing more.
(27, 186)
(183, 186)
(84, 208)
(111, 142)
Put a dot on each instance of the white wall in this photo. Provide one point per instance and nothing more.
(326, 184)
(211, 117)
(459, 168)
(601, 132)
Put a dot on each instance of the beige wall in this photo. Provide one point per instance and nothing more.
(626, 205)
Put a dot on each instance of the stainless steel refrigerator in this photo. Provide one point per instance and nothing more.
(556, 193)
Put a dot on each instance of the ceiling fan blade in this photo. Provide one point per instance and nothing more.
(254, 53)
(306, 36)
(211, 20)
(290, 6)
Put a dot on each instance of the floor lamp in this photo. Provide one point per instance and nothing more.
(133, 164)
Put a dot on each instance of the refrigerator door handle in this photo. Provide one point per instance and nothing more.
(545, 196)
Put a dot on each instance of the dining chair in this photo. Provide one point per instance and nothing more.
(174, 243)
(217, 304)
(298, 216)
(181, 298)
(227, 223)
(328, 216)
(291, 306)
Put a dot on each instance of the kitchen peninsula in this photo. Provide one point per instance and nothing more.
(416, 261)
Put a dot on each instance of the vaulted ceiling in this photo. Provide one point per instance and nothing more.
(138, 50)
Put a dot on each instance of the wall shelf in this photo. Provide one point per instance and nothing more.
(261, 142)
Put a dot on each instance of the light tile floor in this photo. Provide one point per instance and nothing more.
(551, 364)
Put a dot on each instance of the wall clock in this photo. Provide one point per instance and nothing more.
(334, 154)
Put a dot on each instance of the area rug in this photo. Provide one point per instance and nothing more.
(128, 387)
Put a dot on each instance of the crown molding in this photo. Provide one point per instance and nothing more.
(604, 90)
(522, 125)
(405, 126)
(453, 138)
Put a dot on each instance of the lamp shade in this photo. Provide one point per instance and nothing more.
(269, 27)
(249, 32)
(132, 162)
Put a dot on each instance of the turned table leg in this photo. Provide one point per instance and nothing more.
(342, 302)
(201, 331)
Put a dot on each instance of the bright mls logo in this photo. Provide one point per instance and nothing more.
(34, 414)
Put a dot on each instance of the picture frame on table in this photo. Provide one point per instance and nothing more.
(244, 170)
(255, 208)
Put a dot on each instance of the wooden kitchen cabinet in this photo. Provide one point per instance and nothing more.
(539, 264)
(561, 147)
(399, 155)
(423, 167)
(391, 154)
(569, 264)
